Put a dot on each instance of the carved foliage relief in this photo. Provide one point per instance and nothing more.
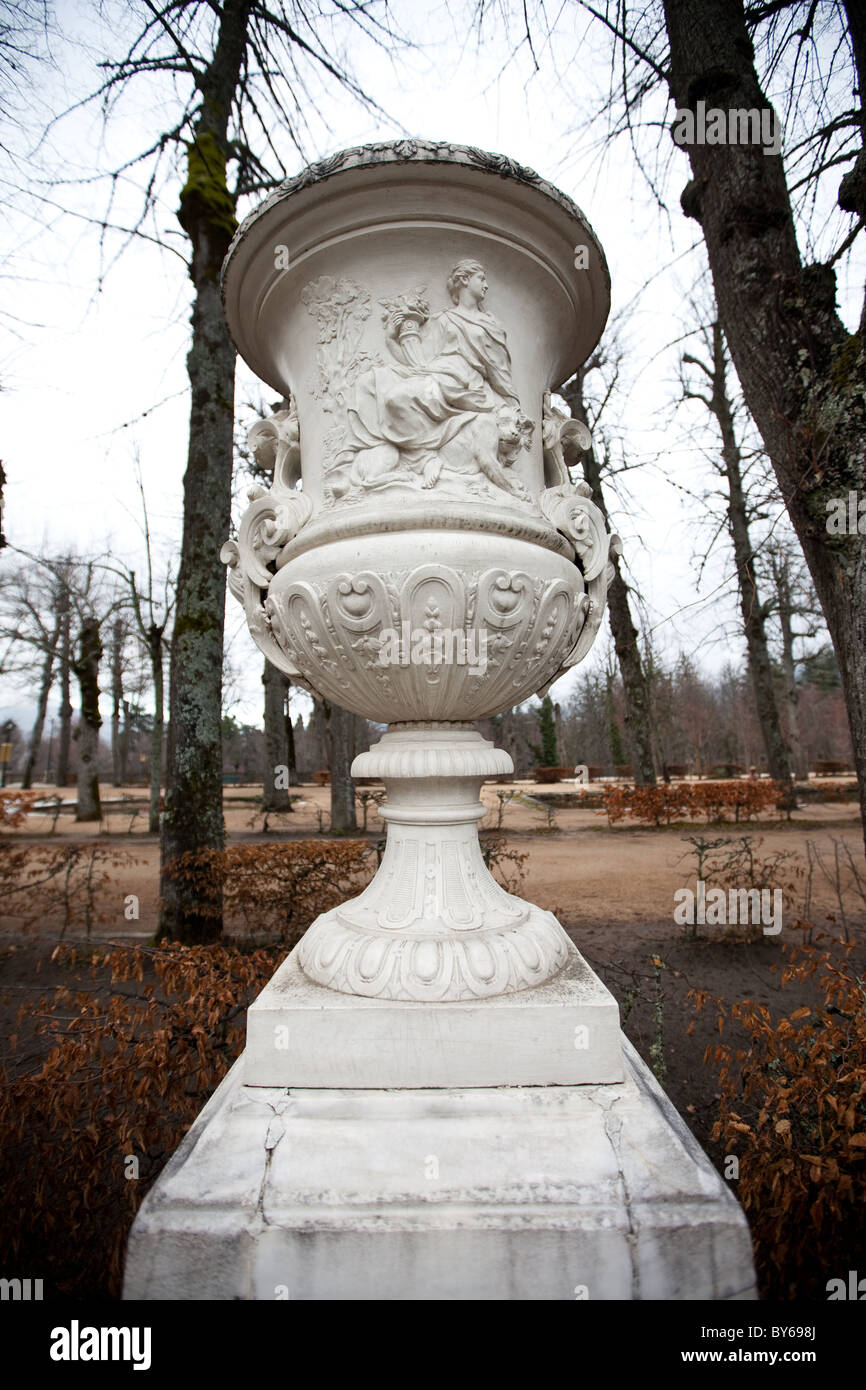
(428, 642)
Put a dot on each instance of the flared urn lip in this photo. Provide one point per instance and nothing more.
(250, 272)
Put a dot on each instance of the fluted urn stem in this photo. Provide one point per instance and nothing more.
(434, 924)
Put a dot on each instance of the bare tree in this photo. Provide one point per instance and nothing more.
(803, 375)
(64, 657)
(341, 730)
(35, 624)
(715, 396)
(86, 669)
(241, 69)
(45, 683)
(275, 778)
(797, 612)
(94, 606)
(85, 601)
(291, 753)
(152, 616)
(638, 706)
(334, 730)
(23, 26)
(116, 648)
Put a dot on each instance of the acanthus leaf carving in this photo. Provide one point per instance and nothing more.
(570, 508)
(272, 520)
(596, 597)
(558, 432)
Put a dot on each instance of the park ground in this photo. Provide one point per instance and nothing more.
(612, 887)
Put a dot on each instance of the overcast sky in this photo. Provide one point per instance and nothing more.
(91, 375)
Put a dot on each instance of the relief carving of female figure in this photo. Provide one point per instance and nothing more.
(445, 404)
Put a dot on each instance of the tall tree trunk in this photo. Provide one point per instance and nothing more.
(557, 727)
(803, 375)
(290, 737)
(61, 776)
(785, 609)
(123, 743)
(86, 669)
(638, 705)
(752, 609)
(117, 635)
(191, 906)
(508, 736)
(275, 774)
(613, 734)
(154, 646)
(321, 736)
(341, 753)
(41, 707)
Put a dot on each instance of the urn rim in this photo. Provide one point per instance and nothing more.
(468, 162)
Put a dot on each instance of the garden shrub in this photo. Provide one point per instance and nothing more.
(14, 806)
(277, 890)
(793, 1111)
(710, 801)
(84, 1134)
(62, 885)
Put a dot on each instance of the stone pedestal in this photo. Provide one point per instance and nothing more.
(435, 1101)
(565, 1032)
(517, 1193)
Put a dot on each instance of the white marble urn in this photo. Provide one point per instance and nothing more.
(422, 557)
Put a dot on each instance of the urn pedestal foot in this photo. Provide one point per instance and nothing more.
(434, 925)
(563, 1033)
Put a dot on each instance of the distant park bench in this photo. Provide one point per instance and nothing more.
(367, 798)
(830, 767)
(55, 807)
(548, 806)
(676, 770)
(125, 807)
(563, 774)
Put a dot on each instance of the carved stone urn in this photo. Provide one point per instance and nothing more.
(435, 1101)
(422, 557)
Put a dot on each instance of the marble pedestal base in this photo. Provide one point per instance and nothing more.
(564, 1032)
(514, 1193)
